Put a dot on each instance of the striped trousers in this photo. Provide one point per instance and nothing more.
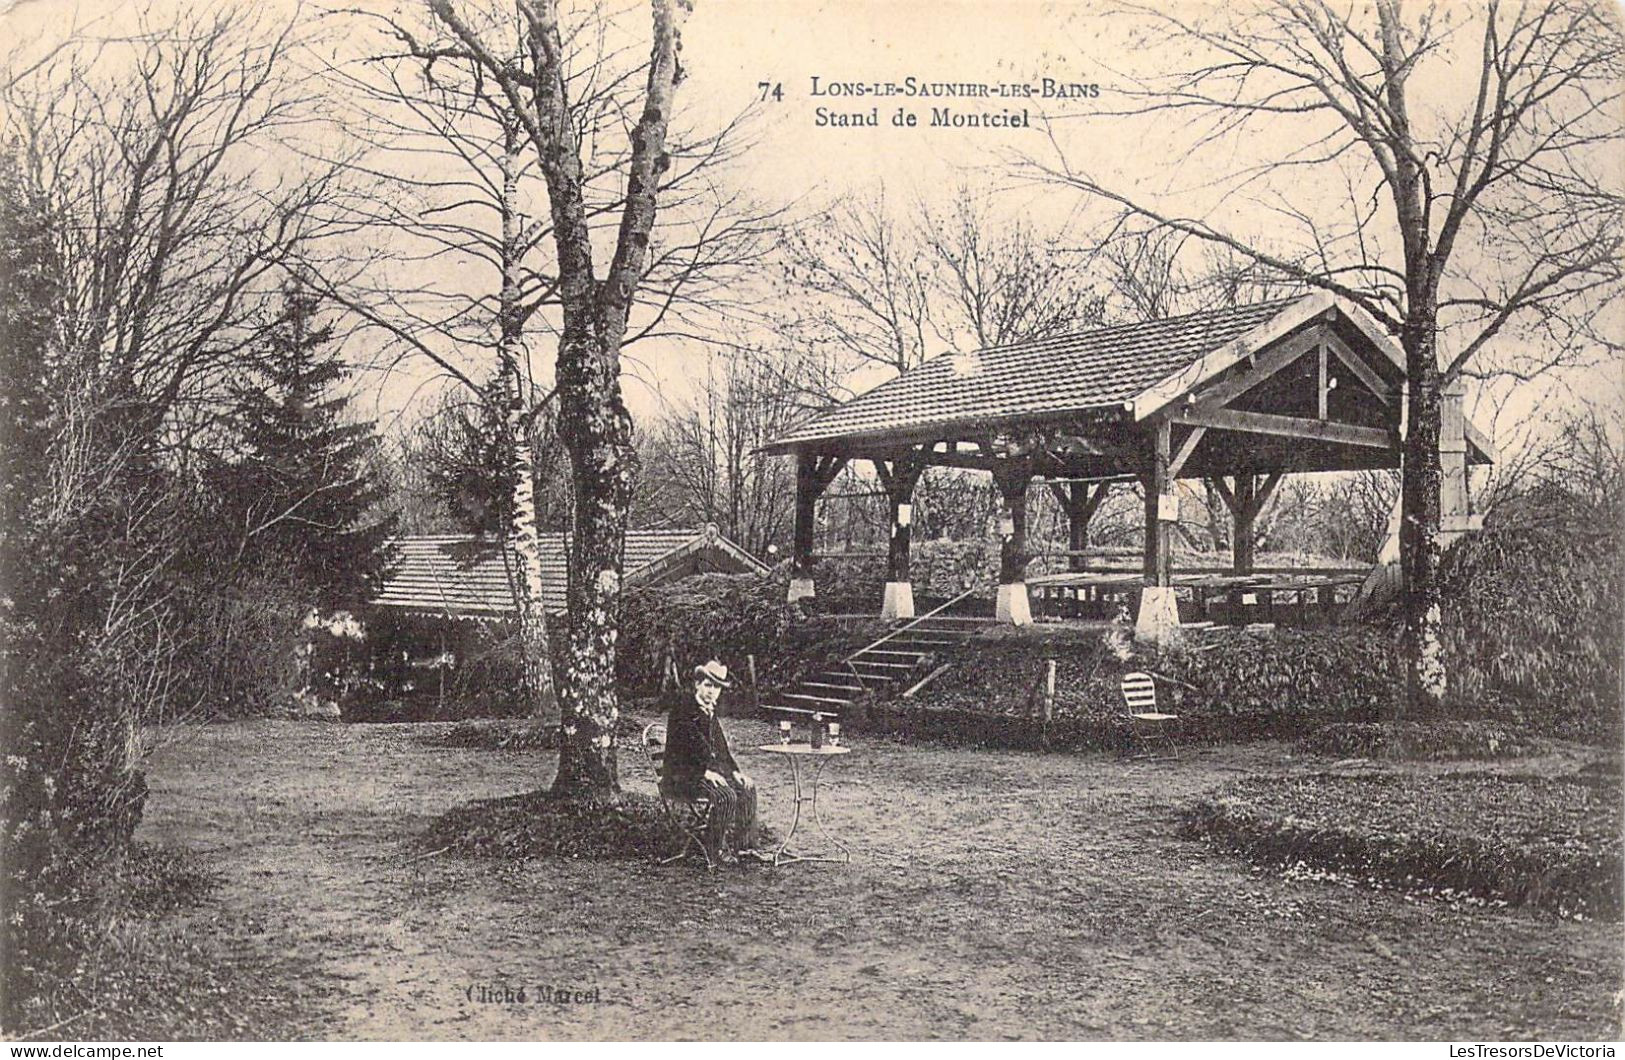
(733, 814)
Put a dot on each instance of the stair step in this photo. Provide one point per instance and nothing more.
(871, 664)
(883, 654)
(875, 680)
(831, 686)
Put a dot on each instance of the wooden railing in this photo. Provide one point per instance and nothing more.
(910, 624)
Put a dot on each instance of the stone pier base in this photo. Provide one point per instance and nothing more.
(1158, 621)
(1012, 605)
(898, 601)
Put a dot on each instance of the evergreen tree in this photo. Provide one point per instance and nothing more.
(304, 495)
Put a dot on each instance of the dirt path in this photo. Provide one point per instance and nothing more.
(991, 895)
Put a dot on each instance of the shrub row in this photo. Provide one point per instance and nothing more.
(1532, 626)
(1438, 740)
(1553, 843)
(1227, 686)
(938, 570)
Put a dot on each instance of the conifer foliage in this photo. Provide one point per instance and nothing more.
(304, 494)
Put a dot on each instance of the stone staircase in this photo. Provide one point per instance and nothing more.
(894, 662)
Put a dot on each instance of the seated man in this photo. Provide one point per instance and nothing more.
(698, 762)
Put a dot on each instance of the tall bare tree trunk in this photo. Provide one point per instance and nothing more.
(598, 433)
(540, 698)
(1419, 551)
(1419, 507)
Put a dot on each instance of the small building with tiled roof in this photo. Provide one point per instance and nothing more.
(1239, 396)
(440, 632)
(459, 576)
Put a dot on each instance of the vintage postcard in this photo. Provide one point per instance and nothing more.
(594, 520)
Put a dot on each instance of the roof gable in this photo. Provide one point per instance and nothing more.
(1105, 367)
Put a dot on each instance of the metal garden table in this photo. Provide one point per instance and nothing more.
(807, 793)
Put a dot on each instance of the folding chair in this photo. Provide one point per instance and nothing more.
(1151, 728)
(689, 818)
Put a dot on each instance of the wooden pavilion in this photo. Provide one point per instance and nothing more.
(1241, 396)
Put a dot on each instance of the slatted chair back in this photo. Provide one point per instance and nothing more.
(654, 745)
(1140, 693)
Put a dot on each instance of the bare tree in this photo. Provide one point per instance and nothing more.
(462, 183)
(860, 281)
(168, 233)
(998, 280)
(593, 421)
(1501, 212)
(709, 450)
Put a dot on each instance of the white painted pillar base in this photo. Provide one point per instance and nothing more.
(800, 589)
(1158, 621)
(1012, 606)
(898, 601)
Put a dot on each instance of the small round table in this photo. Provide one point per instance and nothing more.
(797, 753)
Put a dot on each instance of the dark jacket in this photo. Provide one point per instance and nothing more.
(694, 744)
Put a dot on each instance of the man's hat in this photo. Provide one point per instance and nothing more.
(713, 671)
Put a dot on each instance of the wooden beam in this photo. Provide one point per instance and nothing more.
(1186, 448)
(1181, 382)
(1362, 371)
(1288, 426)
(1158, 531)
(1266, 365)
(1265, 490)
(1097, 497)
(1226, 492)
(883, 473)
(1322, 385)
(1478, 439)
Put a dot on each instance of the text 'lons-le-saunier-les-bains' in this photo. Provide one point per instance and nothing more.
(945, 116)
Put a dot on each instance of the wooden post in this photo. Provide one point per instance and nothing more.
(801, 562)
(1323, 386)
(1158, 620)
(755, 693)
(1245, 512)
(899, 479)
(1080, 503)
(1159, 518)
(1456, 517)
(1012, 478)
(813, 474)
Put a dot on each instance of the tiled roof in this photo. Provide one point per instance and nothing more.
(461, 575)
(1067, 373)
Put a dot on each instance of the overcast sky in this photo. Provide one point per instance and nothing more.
(811, 54)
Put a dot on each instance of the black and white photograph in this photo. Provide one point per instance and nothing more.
(812, 520)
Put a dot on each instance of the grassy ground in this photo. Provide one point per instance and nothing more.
(991, 895)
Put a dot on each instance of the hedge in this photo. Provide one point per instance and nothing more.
(938, 570)
(730, 617)
(1434, 740)
(1226, 686)
(1533, 625)
(1553, 843)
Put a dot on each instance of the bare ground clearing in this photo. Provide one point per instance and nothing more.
(992, 894)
